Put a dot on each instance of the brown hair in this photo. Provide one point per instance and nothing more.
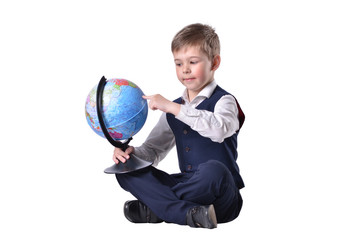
(200, 35)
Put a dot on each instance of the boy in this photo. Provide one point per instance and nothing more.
(203, 124)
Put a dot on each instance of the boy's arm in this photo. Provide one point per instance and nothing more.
(158, 143)
(158, 102)
(217, 125)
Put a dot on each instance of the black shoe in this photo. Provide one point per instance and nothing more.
(137, 212)
(202, 216)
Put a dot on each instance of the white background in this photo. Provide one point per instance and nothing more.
(295, 67)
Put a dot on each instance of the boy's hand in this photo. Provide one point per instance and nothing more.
(119, 155)
(158, 102)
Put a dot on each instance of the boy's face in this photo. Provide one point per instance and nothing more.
(194, 69)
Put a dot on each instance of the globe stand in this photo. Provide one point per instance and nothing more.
(133, 163)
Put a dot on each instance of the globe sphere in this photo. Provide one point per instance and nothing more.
(124, 109)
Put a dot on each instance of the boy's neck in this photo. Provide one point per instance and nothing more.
(192, 94)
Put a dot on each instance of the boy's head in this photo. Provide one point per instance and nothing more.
(198, 35)
(196, 51)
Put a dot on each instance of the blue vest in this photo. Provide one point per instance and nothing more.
(194, 149)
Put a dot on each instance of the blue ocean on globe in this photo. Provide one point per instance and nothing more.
(124, 109)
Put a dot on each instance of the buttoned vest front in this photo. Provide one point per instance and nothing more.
(194, 149)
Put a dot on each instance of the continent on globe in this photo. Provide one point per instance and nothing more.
(124, 109)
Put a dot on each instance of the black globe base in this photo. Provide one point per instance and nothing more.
(132, 164)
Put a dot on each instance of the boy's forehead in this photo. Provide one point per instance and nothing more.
(189, 50)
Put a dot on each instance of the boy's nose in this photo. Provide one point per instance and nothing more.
(186, 69)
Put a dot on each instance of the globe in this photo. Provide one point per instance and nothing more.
(124, 109)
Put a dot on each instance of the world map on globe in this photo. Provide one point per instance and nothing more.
(124, 109)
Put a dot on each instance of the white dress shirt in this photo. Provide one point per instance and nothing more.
(217, 125)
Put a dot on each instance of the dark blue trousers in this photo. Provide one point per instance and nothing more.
(171, 196)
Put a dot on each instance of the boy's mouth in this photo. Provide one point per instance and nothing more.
(189, 79)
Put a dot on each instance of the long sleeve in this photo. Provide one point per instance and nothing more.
(159, 142)
(217, 125)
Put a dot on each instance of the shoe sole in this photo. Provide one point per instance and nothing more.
(212, 217)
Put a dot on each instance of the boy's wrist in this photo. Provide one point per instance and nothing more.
(174, 108)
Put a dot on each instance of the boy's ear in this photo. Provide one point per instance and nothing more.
(216, 62)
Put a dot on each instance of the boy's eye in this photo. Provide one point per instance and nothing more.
(193, 62)
(178, 64)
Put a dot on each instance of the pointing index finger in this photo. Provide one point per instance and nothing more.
(146, 97)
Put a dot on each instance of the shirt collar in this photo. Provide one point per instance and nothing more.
(205, 92)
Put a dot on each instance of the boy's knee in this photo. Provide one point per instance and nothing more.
(213, 170)
(213, 165)
(214, 176)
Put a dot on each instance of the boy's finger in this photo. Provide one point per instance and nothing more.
(121, 158)
(115, 160)
(147, 97)
(128, 151)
